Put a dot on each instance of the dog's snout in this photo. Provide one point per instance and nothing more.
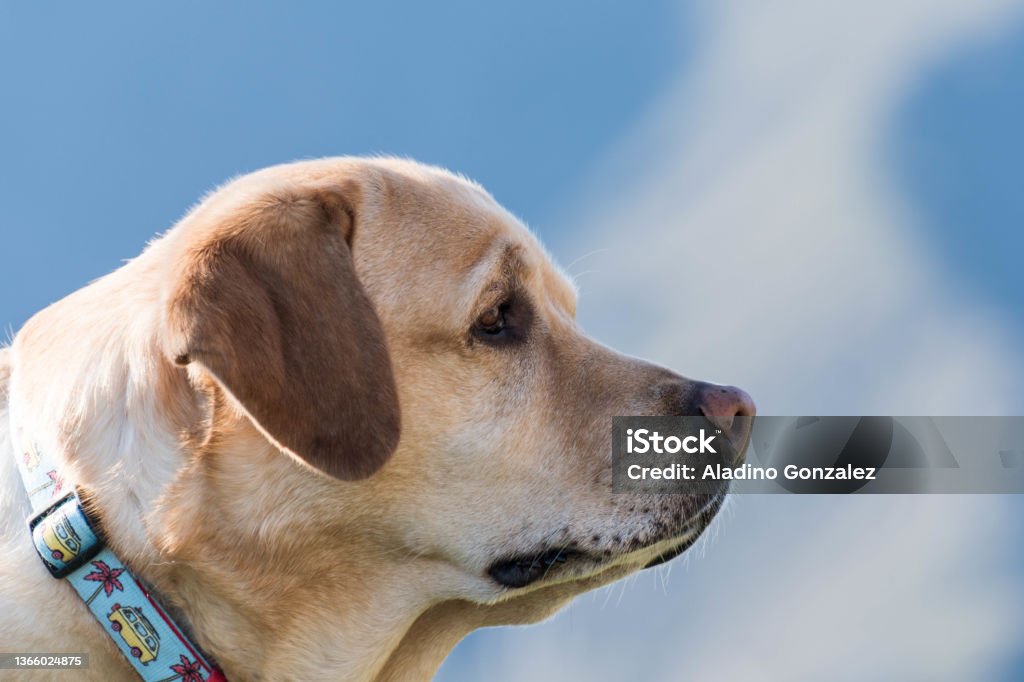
(728, 408)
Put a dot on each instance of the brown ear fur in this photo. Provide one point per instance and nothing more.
(267, 301)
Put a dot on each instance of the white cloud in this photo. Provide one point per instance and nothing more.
(769, 248)
(758, 206)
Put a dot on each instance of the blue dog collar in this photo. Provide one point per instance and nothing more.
(72, 549)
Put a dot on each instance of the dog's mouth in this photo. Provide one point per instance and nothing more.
(520, 570)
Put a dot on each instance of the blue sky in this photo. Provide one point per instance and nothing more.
(959, 155)
(857, 165)
(117, 120)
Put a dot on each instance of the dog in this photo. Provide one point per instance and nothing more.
(336, 418)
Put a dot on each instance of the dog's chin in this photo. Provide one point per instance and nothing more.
(697, 525)
(672, 552)
(554, 564)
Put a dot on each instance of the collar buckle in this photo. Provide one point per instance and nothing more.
(64, 536)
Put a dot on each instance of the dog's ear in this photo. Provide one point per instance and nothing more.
(264, 297)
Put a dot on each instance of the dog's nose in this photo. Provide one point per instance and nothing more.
(728, 408)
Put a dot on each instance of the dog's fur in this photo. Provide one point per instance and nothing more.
(287, 418)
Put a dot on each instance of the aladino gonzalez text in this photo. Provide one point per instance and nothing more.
(642, 441)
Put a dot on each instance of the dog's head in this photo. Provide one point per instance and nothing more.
(414, 350)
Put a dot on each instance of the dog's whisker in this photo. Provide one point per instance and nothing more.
(589, 254)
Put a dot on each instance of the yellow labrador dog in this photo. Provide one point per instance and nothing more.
(336, 418)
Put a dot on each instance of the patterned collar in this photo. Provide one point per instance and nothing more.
(72, 549)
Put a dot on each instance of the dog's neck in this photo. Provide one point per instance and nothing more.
(276, 591)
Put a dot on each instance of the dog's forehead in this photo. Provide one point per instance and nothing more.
(451, 239)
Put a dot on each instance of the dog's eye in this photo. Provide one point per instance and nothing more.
(505, 324)
(492, 321)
